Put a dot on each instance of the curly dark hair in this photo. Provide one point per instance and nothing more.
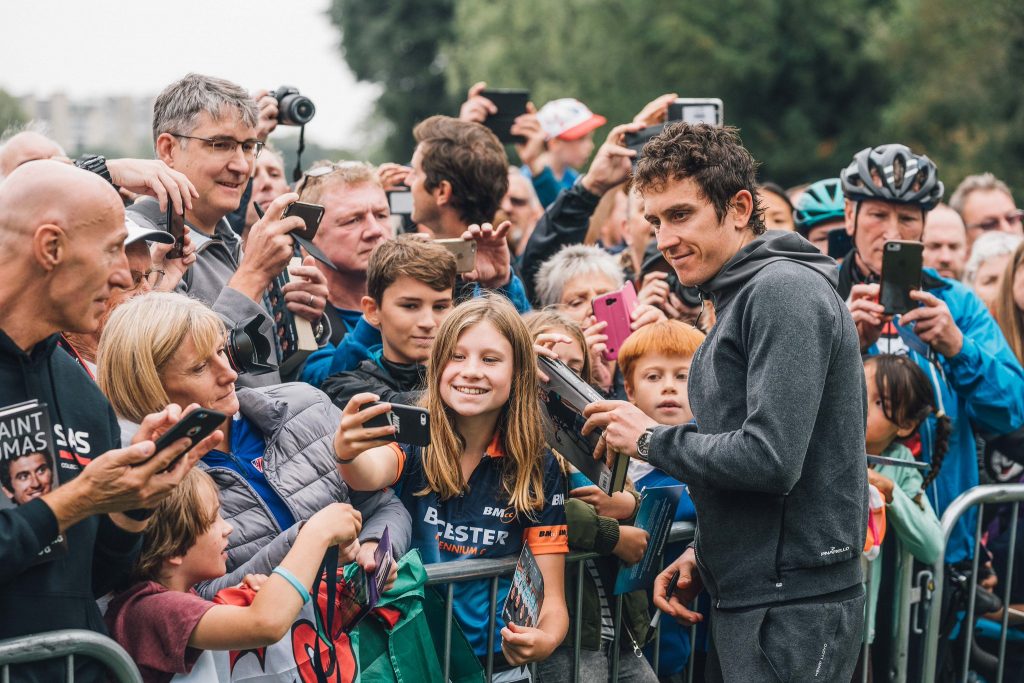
(713, 157)
(470, 158)
(908, 398)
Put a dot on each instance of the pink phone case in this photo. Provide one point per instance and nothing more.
(615, 308)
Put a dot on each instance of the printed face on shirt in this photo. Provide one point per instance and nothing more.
(356, 219)
(31, 476)
(206, 379)
(208, 558)
(477, 379)
(690, 236)
(658, 387)
(580, 291)
(409, 314)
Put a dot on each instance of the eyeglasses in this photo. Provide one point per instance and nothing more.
(152, 276)
(1014, 219)
(324, 169)
(225, 146)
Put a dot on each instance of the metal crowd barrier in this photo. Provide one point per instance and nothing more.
(447, 574)
(67, 644)
(978, 496)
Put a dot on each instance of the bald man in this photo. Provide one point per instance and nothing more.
(945, 242)
(62, 233)
(25, 146)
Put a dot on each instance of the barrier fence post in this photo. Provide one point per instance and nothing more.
(1007, 582)
(66, 644)
(994, 493)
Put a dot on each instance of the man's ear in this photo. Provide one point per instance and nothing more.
(849, 215)
(166, 148)
(443, 193)
(370, 310)
(742, 209)
(49, 246)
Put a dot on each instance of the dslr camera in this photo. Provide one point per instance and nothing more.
(293, 109)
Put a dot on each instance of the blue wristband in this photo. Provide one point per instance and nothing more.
(296, 584)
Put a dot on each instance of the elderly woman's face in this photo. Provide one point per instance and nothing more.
(580, 291)
(988, 278)
(191, 377)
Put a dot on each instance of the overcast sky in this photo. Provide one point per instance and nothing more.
(116, 47)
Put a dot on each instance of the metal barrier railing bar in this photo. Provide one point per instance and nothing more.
(978, 497)
(67, 644)
(449, 573)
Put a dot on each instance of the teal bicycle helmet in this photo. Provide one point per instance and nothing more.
(820, 203)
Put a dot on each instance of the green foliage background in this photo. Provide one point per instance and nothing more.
(808, 83)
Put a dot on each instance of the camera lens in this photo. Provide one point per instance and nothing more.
(248, 350)
(293, 109)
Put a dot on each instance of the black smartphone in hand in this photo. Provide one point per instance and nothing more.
(176, 227)
(902, 262)
(311, 214)
(510, 104)
(195, 426)
(411, 423)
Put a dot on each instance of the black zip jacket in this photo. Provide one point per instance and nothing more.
(60, 593)
(394, 383)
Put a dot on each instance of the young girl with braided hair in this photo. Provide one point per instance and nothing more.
(900, 399)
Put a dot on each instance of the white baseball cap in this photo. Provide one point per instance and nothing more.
(568, 119)
(136, 232)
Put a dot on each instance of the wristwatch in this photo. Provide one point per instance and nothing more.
(95, 163)
(643, 444)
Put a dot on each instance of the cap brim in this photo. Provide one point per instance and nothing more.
(581, 129)
(136, 234)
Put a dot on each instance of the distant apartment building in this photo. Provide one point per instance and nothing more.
(108, 125)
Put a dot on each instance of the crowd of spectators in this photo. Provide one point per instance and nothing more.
(120, 336)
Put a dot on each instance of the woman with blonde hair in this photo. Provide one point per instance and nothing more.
(275, 468)
(487, 482)
(1008, 306)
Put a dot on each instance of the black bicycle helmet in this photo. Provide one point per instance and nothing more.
(892, 173)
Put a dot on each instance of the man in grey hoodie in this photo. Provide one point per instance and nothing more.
(775, 461)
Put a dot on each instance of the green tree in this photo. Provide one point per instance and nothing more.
(793, 74)
(958, 98)
(11, 113)
(396, 45)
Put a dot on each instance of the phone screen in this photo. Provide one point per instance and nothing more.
(901, 273)
(400, 202)
(694, 110)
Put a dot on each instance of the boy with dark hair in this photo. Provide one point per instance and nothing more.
(775, 461)
(409, 293)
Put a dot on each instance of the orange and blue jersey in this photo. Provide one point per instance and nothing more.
(480, 523)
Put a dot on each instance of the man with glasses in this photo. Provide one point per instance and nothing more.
(208, 129)
(985, 203)
(889, 191)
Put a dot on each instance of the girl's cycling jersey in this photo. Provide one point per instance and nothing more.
(480, 523)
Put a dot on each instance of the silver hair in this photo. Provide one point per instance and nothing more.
(571, 262)
(179, 105)
(987, 247)
(973, 183)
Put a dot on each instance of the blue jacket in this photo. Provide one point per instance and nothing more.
(982, 389)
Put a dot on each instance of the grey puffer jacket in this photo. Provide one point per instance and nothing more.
(298, 423)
